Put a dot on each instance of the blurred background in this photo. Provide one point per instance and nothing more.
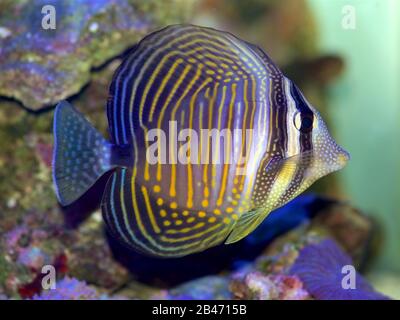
(343, 54)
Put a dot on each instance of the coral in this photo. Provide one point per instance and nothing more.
(278, 272)
(26, 247)
(136, 290)
(211, 287)
(40, 66)
(43, 239)
(258, 286)
(320, 267)
(90, 248)
(27, 179)
(328, 219)
(73, 289)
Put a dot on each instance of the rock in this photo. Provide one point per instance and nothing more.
(353, 230)
(206, 288)
(90, 257)
(26, 175)
(26, 248)
(136, 290)
(215, 287)
(29, 213)
(40, 66)
(335, 220)
(307, 261)
(42, 239)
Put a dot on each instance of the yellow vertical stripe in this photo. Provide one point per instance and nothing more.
(253, 99)
(214, 165)
(228, 143)
(210, 119)
(150, 211)
(172, 189)
(244, 124)
(163, 108)
(189, 165)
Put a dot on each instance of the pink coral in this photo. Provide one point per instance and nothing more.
(256, 285)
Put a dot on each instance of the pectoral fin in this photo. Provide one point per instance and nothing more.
(245, 225)
(283, 170)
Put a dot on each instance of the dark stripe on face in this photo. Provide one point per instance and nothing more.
(277, 140)
(278, 134)
(307, 118)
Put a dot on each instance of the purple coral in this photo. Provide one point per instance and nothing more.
(320, 266)
(69, 289)
(73, 289)
(32, 257)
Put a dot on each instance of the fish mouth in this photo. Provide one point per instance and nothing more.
(342, 158)
(322, 162)
(334, 160)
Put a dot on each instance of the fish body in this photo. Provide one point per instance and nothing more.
(207, 138)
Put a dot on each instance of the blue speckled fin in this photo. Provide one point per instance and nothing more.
(81, 155)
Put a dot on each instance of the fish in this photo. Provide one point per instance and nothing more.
(207, 137)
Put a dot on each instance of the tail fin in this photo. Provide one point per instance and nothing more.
(81, 155)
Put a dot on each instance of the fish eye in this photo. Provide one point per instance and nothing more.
(303, 121)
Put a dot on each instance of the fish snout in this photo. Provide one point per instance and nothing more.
(329, 155)
(334, 157)
(342, 158)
